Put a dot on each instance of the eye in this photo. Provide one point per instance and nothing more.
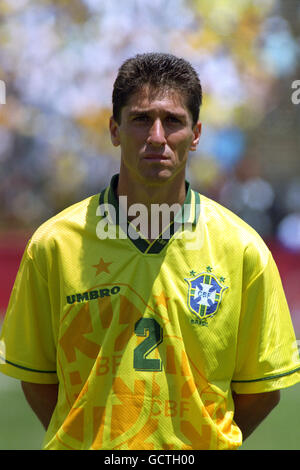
(141, 118)
(173, 120)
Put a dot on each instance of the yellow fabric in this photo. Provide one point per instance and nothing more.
(138, 366)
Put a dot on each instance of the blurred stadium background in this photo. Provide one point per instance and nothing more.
(58, 60)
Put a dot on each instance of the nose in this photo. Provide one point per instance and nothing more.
(157, 136)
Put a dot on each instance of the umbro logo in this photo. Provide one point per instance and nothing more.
(92, 295)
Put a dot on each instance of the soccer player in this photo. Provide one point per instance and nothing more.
(148, 316)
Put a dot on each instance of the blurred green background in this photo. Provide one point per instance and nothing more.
(59, 59)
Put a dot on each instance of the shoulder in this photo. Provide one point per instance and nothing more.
(67, 223)
(234, 234)
(223, 218)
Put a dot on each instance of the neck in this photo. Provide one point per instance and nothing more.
(170, 192)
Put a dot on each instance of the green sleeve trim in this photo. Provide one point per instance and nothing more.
(2, 359)
(270, 377)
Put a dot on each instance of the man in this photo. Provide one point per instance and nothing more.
(133, 330)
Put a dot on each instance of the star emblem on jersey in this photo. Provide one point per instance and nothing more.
(204, 294)
(102, 266)
(162, 299)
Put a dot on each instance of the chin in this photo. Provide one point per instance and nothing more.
(156, 177)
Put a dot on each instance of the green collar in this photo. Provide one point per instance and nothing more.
(189, 214)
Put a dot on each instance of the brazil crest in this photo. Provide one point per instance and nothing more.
(204, 295)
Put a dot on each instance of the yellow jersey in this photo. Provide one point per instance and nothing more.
(147, 341)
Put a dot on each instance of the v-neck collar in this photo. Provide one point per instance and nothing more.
(188, 214)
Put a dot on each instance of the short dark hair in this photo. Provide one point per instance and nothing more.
(159, 71)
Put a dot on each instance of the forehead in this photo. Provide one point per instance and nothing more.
(169, 100)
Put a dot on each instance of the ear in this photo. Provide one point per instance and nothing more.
(197, 133)
(114, 132)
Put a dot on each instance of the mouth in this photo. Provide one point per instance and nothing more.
(155, 157)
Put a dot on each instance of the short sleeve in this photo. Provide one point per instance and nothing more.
(267, 354)
(27, 345)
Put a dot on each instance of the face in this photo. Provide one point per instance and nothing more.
(155, 135)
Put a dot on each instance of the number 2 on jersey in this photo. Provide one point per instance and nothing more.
(153, 332)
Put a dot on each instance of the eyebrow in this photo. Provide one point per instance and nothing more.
(137, 112)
